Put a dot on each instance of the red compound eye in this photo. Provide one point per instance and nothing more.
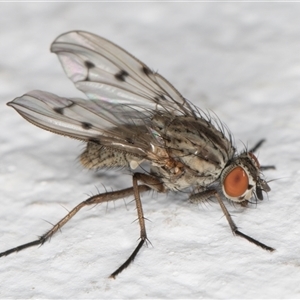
(236, 182)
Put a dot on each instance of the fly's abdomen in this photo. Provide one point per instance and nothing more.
(99, 156)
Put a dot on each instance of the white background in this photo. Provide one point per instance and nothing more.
(240, 60)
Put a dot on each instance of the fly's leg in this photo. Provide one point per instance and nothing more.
(155, 185)
(235, 229)
(106, 197)
(209, 193)
(151, 182)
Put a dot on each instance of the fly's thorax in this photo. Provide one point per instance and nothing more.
(194, 145)
(196, 142)
(240, 179)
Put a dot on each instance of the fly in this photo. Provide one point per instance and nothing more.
(135, 116)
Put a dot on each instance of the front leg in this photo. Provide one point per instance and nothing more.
(202, 196)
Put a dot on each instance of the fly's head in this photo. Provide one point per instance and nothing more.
(241, 179)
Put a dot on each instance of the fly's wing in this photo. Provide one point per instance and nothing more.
(124, 96)
(110, 125)
(106, 72)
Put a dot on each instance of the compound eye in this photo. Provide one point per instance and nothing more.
(236, 182)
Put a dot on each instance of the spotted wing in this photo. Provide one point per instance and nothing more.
(106, 72)
(124, 95)
(110, 125)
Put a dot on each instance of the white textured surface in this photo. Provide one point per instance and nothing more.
(241, 60)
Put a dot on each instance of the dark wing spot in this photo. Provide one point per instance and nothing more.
(162, 97)
(86, 125)
(146, 70)
(129, 140)
(95, 141)
(156, 99)
(60, 110)
(121, 75)
(89, 65)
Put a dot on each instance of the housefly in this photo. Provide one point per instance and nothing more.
(135, 116)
